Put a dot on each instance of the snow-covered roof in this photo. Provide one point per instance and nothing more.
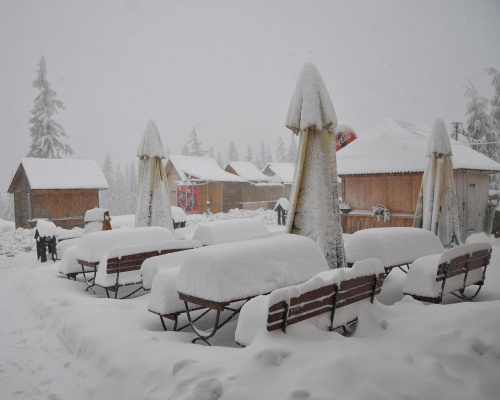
(202, 168)
(45, 173)
(283, 171)
(248, 171)
(394, 146)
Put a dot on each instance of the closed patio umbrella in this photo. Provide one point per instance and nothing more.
(437, 209)
(153, 202)
(314, 202)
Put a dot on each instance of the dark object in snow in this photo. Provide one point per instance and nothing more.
(281, 209)
(464, 261)
(44, 243)
(345, 208)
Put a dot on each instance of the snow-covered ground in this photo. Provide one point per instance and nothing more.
(59, 342)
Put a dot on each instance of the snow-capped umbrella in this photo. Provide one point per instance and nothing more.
(437, 209)
(314, 205)
(153, 202)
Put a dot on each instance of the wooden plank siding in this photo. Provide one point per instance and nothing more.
(400, 193)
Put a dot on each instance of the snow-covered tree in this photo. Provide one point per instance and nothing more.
(292, 150)
(219, 160)
(120, 193)
(481, 127)
(262, 157)
(211, 153)
(105, 196)
(280, 151)
(185, 150)
(131, 188)
(495, 101)
(269, 156)
(7, 207)
(194, 145)
(46, 133)
(249, 155)
(232, 153)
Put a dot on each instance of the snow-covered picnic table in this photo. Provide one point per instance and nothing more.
(394, 247)
(216, 276)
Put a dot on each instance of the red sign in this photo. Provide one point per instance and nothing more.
(189, 202)
(344, 138)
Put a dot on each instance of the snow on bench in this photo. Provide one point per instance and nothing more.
(394, 247)
(333, 297)
(69, 264)
(121, 265)
(234, 230)
(216, 276)
(431, 277)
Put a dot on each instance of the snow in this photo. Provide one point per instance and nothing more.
(94, 246)
(345, 127)
(66, 234)
(394, 146)
(178, 214)
(45, 173)
(253, 316)
(421, 279)
(69, 263)
(217, 232)
(392, 246)
(95, 215)
(283, 202)
(60, 342)
(310, 105)
(152, 266)
(150, 145)
(61, 247)
(201, 168)
(248, 171)
(239, 270)
(439, 141)
(283, 172)
(46, 228)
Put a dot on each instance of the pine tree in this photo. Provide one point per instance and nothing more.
(7, 207)
(46, 133)
(120, 193)
(249, 156)
(292, 150)
(495, 101)
(212, 152)
(280, 151)
(232, 153)
(219, 160)
(269, 156)
(185, 150)
(105, 196)
(261, 158)
(131, 188)
(194, 145)
(480, 125)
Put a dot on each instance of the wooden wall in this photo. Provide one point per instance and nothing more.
(400, 193)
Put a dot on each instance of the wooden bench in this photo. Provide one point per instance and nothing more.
(122, 265)
(394, 247)
(432, 277)
(335, 295)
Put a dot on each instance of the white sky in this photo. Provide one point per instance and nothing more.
(229, 68)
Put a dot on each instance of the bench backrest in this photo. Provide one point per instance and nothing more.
(462, 264)
(133, 262)
(322, 300)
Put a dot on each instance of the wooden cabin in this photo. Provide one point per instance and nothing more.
(280, 172)
(386, 165)
(59, 190)
(198, 184)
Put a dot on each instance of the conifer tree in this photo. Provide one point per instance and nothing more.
(131, 188)
(219, 160)
(185, 150)
(120, 193)
(280, 151)
(495, 101)
(46, 133)
(292, 150)
(249, 156)
(261, 158)
(105, 196)
(194, 145)
(212, 152)
(232, 153)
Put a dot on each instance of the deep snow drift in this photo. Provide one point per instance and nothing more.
(60, 342)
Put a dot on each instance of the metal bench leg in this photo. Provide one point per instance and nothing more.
(89, 286)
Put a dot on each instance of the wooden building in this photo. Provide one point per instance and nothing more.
(386, 165)
(59, 190)
(280, 172)
(198, 183)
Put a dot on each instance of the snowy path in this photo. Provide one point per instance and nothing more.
(34, 363)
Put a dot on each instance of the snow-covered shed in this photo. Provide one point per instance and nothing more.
(280, 172)
(60, 190)
(246, 170)
(198, 182)
(385, 166)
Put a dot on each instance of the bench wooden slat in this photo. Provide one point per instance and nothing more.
(313, 295)
(279, 325)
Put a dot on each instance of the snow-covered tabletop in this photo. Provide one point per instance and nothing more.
(94, 246)
(233, 230)
(154, 265)
(392, 246)
(233, 271)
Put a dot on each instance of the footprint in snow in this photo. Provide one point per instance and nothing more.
(178, 366)
(207, 389)
(273, 356)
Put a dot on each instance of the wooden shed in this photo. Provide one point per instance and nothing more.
(280, 172)
(386, 165)
(59, 190)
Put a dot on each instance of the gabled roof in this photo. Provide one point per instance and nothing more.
(283, 172)
(394, 146)
(201, 168)
(47, 173)
(248, 171)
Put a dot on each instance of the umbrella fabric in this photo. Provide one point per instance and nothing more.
(314, 206)
(153, 202)
(437, 209)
